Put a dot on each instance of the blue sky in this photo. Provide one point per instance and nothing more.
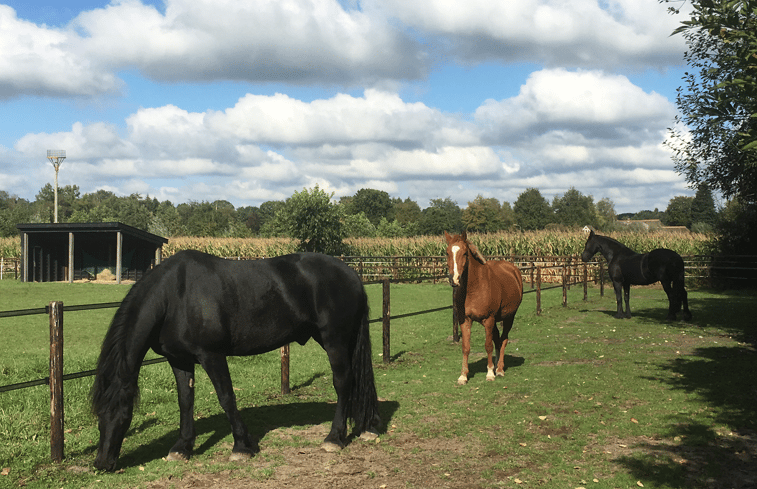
(249, 101)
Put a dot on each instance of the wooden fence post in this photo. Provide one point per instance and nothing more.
(564, 286)
(538, 291)
(387, 316)
(586, 282)
(55, 310)
(533, 265)
(285, 370)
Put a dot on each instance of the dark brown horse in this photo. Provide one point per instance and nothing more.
(488, 292)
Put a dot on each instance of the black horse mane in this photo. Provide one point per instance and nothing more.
(116, 380)
(615, 242)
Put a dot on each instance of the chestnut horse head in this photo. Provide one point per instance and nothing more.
(459, 251)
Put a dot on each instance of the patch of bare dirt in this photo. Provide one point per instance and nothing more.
(405, 461)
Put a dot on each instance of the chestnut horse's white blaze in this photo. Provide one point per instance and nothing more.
(456, 271)
(491, 292)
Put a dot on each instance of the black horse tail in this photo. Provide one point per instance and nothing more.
(123, 349)
(679, 280)
(364, 400)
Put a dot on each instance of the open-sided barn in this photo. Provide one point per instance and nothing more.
(73, 251)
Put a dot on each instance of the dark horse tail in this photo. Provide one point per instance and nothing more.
(681, 297)
(124, 347)
(364, 400)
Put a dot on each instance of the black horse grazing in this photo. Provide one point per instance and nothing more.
(628, 268)
(197, 308)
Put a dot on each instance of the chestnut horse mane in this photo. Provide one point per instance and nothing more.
(473, 249)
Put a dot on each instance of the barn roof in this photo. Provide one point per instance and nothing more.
(91, 227)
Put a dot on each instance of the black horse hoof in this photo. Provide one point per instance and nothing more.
(331, 447)
(177, 457)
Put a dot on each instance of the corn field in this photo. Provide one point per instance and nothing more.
(10, 247)
(535, 243)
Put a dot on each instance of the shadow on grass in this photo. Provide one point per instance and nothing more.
(479, 366)
(720, 452)
(260, 420)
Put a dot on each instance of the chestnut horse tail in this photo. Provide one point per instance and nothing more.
(123, 349)
(364, 400)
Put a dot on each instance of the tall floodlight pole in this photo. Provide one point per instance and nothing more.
(56, 157)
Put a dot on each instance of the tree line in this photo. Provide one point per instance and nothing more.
(367, 213)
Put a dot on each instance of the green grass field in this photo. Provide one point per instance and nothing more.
(586, 401)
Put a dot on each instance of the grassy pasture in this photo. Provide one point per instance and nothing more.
(586, 401)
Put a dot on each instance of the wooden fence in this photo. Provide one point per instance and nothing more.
(55, 311)
(418, 268)
(700, 269)
(9, 267)
(707, 270)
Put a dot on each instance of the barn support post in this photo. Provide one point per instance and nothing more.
(285, 370)
(55, 310)
(70, 258)
(387, 318)
(119, 255)
(538, 291)
(25, 256)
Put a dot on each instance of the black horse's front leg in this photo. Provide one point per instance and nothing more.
(627, 295)
(218, 370)
(618, 286)
(185, 386)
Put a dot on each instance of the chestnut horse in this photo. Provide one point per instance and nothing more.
(488, 292)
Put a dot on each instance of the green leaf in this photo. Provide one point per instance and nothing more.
(750, 146)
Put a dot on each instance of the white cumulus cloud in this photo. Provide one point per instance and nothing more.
(554, 32)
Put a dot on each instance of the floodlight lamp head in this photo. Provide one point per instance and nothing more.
(56, 156)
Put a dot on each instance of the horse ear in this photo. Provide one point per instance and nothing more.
(447, 236)
(464, 235)
(476, 254)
